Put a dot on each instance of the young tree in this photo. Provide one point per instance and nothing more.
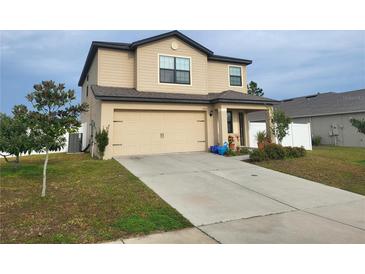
(54, 115)
(359, 124)
(280, 124)
(14, 134)
(253, 89)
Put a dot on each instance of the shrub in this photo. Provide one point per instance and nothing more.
(231, 152)
(359, 124)
(316, 140)
(102, 140)
(257, 155)
(294, 152)
(274, 151)
(300, 151)
(244, 150)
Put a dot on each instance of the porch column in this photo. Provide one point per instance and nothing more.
(269, 113)
(246, 129)
(222, 125)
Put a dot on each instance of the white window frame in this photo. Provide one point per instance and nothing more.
(229, 78)
(178, 56)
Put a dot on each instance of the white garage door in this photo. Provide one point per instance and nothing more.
(151, 132)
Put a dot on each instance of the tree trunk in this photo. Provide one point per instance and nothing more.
(17, 158)
(45, 175)
(6, 159)
(92, 149)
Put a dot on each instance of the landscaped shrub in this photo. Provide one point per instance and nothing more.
(274, 151)
(230, 152)
(316, 140)
(257, 155)
(300, 151)
(244, 150)
(102, 140)
(294, 152)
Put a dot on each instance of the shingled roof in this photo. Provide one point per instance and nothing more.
(132, 95)
(319, 104)
(132, 46)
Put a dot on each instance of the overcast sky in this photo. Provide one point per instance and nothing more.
(285, 63)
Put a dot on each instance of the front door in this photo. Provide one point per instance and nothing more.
(242, 135)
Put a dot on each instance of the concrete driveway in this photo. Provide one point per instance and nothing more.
(236, 202)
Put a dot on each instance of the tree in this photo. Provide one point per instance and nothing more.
(14, 134)
(102, 140)
(359, 124)
(54, 115)
(280, 124)
(253, 89)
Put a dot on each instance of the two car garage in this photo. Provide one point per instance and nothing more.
(137, 132)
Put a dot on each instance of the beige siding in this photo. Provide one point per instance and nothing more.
(140, 69)
(94, 105)
(93, 71)
(116, 68)
(92, 79)
(218, 77)
(148, 67)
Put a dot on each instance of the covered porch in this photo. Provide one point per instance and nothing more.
(232, 120)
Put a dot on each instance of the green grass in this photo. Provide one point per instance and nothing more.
(87, 201)
(341, 167)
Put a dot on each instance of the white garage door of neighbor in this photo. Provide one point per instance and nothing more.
(152, 132)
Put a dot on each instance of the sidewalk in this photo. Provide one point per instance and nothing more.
(184, 236)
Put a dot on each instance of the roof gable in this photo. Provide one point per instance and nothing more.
(173, 33)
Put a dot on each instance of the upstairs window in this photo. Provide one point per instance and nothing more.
(235, 76)
(174, 70)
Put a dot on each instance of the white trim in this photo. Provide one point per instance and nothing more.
(171, 84)
(229, 78)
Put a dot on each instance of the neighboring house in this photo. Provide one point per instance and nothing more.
(166, 94)
(329, 115)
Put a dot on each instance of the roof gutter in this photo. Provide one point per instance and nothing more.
(186, 101)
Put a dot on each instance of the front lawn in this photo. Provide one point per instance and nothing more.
(87, 201)
(342, 167)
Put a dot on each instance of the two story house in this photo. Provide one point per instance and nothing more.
(165, 94)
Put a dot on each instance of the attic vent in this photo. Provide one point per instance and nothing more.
(287, 100)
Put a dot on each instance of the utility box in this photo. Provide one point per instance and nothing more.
(74, 142)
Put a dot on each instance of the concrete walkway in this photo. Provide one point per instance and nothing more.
(184, 236)
(236, 202)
